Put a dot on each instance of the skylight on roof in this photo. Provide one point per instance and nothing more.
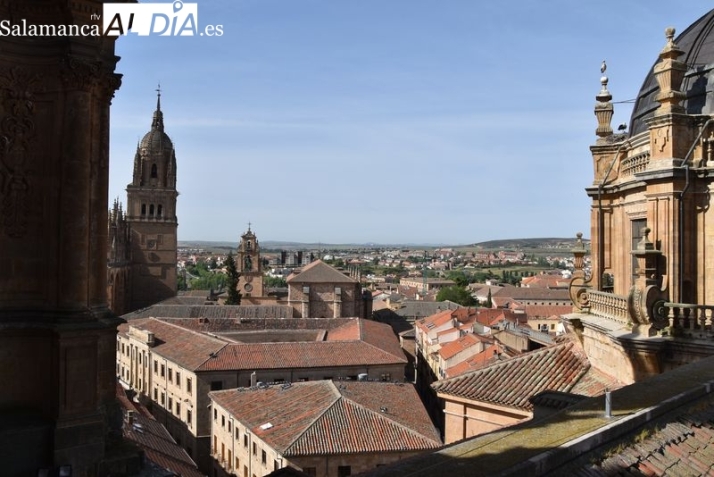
(266, 426)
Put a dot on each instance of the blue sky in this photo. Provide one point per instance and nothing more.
(400, 121)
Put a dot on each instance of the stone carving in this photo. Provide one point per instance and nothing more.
(17, 130)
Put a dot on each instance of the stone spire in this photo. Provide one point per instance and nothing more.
(158, 122)
(603, 107)
(670, 73)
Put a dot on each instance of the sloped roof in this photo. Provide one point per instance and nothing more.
(161, 310)
(449, 350)
(182, 346)
(514, 381)
(489, 355)
(318, 354)
(320, 272)
(325, 418)
(159, 447)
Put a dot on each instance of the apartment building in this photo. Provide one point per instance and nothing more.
(322, 428)
(174, 363)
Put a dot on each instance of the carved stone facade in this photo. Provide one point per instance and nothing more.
(57, 336)
(320, 291)
(143, 240)
(646, 298)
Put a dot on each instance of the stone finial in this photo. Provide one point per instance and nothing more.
(603, 108)
(579, 253)
(669, 73)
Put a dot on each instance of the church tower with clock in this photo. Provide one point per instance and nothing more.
(249, 263)
(151, 217)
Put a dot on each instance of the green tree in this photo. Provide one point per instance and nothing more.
(234, 295)
(274, 282)
(457, 295)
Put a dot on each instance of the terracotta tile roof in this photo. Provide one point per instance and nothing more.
(326, 418)
(320, 272)
(514, 381)
(488, 356)
(180, 345)
(434, 321)
(161, 310)
(226, 325)
(317, 354)
(682, 446)
(449, 350)
(156, 442)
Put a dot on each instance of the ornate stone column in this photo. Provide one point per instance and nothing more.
(57, 337)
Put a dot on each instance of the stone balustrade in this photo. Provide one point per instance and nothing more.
(609, 305)
(686, 316)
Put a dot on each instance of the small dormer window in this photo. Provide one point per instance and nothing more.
(154, 173)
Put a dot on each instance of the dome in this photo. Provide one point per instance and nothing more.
(157, 140)
(697, 43)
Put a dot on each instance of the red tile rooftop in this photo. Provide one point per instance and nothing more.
(323, 417)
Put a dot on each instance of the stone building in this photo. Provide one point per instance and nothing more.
(320, 291)
(57, 401)
(143, 239)
(645, 308)
(323, 428)
(173, 363)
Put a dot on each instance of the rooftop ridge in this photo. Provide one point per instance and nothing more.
(293, 443)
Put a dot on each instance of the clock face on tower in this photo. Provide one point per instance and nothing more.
(248, 287)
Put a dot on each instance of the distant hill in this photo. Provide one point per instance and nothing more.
(529, 243)
(511, 244)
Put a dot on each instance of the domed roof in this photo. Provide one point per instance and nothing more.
(157, 140)
(697, 42)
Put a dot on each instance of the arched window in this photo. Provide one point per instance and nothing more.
(159, 210)
(151, 209)
(153, 171)
(143, 209)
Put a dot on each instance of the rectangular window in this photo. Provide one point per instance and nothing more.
(216, 385)
(255, 449)
(237, 433)
(156, 366)
(171, 375)
(163, 370)
(245, 440)
(344, 471)
(189, 416)
(163, 398)
(638, 226)
(263, 457)
(188, 385)
(230, 429)
(215, 415)
(178, 379)
(223, 421)
(171, 403)
(156, 394)
(178, 409)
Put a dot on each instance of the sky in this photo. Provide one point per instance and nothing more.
(401, 121)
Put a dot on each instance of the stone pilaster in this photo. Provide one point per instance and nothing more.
(56, 333)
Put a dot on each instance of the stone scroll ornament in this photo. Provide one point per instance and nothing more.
(17, 130)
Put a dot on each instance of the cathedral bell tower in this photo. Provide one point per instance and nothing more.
(151, 214)
(250, 266)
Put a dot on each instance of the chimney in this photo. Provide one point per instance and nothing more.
(253, 379)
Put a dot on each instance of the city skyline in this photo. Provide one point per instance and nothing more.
(410, 122)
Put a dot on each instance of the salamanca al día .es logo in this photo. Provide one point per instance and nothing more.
(159, 19)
